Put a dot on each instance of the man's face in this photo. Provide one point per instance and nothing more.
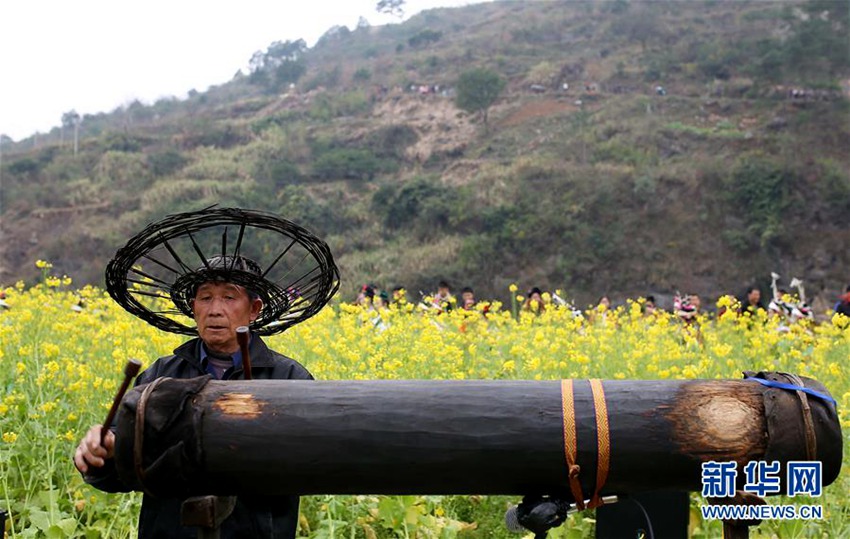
(754, 296)
(219, 309)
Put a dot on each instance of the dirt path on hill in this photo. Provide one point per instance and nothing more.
(537, 109)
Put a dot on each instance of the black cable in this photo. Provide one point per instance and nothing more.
(645, 515)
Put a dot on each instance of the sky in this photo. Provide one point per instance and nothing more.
(96, 55)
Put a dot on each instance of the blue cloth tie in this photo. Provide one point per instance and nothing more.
(792, 387)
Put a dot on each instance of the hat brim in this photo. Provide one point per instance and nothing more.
(155, 275)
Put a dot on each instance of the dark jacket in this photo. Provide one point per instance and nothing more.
(253, 517)
(843, 305)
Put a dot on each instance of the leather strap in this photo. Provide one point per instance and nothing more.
(603, 437)
(570, 441)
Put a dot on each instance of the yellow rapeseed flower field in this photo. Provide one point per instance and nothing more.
(63, 351)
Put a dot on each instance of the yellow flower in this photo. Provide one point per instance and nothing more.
(10, 437)
(722, 349)
(41, 264)
(513, 288)
(48, 407)
(50, 350)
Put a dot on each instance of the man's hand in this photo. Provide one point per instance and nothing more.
(90, 453)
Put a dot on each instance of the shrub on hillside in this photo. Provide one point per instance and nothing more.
(120, 142)
(122, 173)
(173, 196)
(326, 78)
(208, 133)
(422, 206)
(759, 188)
(212, 164)
(327, 106)
(166, 162)
(362, 75)
(276, 173)
(391, 141)
(424, 38)
(346, 163)
(320, 215)
(23, 167)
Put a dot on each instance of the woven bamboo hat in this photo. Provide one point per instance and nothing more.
(156, 274)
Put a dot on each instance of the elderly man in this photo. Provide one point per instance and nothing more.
(219, 308)
(226, 292)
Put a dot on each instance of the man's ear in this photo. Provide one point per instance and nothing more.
(256, 307)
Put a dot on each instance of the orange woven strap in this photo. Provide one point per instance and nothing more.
(570, 441)
(603, 437)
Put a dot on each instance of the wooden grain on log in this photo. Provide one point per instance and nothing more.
(451, 437)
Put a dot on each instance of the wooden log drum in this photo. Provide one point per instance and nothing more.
(577, 439)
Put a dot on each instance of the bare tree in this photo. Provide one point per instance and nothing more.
(71, 119)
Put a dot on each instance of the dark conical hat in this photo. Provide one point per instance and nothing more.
(285, 265)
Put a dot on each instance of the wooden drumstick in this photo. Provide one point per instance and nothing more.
(131, 369)
(242, 336)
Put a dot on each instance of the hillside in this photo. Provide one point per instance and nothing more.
(738, 167)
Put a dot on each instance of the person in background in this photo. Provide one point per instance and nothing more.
(696, 303)
(399, 295)
(599, 312)
(534, 301)
(687, 307)
(649, 309)
(366, 296)
(751, 301)
(382, 300)
(443, 299)
(467, 299)
(843, 305)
